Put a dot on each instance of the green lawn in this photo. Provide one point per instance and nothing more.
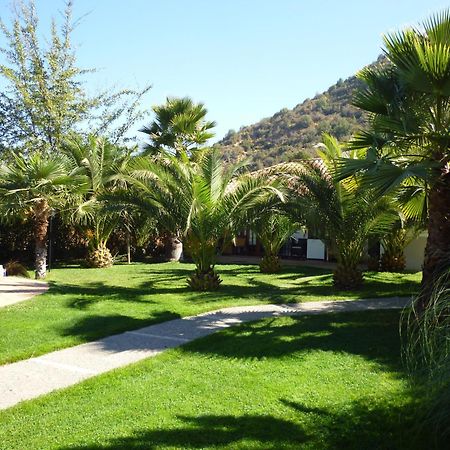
(86, 304)
(320, 382)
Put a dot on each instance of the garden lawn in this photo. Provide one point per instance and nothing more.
(314, 382)
(87, 304)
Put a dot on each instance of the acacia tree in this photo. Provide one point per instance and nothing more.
(45, 97)
(31, 187)
(408, 101)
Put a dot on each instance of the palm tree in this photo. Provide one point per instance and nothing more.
(273, 228)
(394, 242)
(101, 162)
(408, 101)
(200, 201)
(179, 127)
(32, 187)
(341, 213)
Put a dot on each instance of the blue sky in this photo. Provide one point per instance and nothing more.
(244, 59)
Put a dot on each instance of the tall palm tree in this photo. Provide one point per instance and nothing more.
(341, 213)
(199, 200)
(408, 101)
(100, 162)
(179, 127)
(32, 187)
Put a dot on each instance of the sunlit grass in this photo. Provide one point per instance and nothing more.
(320, 382)
(86, 304)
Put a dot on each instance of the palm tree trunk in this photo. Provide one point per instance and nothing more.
(41, 216)
(128, 248)
(270, 263)
(437, 250)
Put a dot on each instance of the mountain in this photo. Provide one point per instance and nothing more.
(293, 133)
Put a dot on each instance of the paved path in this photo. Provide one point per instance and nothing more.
(248, 259)
(31, 378)
(17, 289)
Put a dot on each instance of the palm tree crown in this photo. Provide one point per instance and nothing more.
(179, 126)
(100, 162)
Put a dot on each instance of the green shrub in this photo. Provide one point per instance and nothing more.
(427, 353)
(15, 269)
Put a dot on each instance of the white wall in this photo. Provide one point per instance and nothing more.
(315, 249)
(414, 253)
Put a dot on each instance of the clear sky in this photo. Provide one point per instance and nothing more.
(245, 59)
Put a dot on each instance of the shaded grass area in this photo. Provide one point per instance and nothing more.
(313, 382)
(87, 304)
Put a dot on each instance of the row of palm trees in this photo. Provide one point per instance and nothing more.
(196, 200)
(395, 172)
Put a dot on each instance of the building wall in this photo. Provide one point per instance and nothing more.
(414, 253)
(315, 249)
(247, 244)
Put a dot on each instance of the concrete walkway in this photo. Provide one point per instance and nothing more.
(31, 378)
(17, 289)
(248, 259)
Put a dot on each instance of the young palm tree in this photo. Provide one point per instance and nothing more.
(394, 243)
(342, 214)
(199, 200)
(100, 162)
(32, 187)
(408, 101)
(273, 228)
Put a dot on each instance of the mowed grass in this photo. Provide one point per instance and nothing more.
(87, 304)
(320, 382)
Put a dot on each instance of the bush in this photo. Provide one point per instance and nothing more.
(15, 269)
(427, 353)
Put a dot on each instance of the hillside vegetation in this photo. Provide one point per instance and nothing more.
(293, 133)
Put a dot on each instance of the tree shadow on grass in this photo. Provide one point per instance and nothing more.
(291, 285)
(360, 426)
(214, 430)
(99, 326)
(365, 423)
(370, 334)
(85, 295)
